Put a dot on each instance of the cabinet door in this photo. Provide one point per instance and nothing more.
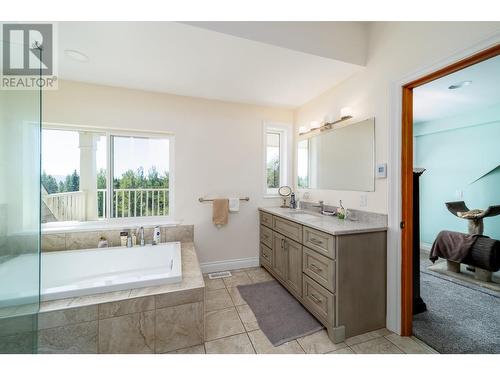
(280, 263)
(293, 252)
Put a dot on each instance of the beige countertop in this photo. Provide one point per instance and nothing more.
(331, 224)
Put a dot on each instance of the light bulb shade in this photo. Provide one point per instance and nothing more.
(315, 124)
(302, 129)
(345, 112)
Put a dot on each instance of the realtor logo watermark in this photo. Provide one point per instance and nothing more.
(28, 53)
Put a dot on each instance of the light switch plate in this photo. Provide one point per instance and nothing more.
(381, 171)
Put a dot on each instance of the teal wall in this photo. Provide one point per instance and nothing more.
(455, 152)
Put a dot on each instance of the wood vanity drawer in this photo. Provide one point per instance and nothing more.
(318, 300)
(322, 242)
(288, 228)
(266, 255)
(319, 268)
(266, 236)
(266, 219)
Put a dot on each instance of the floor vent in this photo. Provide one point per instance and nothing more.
(219, 275)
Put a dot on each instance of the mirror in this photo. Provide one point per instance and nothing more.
(284, 192)
(339, 159)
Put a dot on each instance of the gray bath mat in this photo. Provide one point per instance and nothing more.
(280, 316)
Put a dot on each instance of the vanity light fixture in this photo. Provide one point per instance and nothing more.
(345, 114)
(315, 125)
(302, 129)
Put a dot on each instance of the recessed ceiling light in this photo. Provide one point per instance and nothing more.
(459, 85)
(76, 55)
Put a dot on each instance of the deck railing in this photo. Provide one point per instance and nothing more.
(71, 206)
(136, 202)
(67, 206)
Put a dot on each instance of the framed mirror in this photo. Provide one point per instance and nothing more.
(342, 158)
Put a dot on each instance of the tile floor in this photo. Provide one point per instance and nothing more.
(231, 327)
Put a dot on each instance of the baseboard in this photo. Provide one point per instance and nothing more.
(228, 265)
(425, 246)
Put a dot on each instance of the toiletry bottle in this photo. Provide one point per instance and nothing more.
(103, 242)
(293, 202)
(156, 235)
(142, 241)
(341, 211)
(123, 238)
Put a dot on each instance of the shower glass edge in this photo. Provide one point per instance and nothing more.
(20, 199)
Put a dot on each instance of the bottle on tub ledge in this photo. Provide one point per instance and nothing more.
(156, 235)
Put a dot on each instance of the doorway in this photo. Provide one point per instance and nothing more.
(408, 223)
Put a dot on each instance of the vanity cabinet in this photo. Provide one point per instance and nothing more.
(279, 252)
(340, 279)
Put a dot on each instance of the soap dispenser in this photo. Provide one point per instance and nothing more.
(341, 211)
(293, 202)
(156, 235)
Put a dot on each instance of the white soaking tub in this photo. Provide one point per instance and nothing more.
(75, 273)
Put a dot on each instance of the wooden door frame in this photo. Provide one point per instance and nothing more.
(407, 178)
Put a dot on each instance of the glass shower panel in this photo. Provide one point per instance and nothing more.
(19, 219)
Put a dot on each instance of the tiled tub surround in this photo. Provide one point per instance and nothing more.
(75, 273)
(155, 319)
(59, 241)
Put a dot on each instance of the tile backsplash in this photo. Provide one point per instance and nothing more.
(89, 240)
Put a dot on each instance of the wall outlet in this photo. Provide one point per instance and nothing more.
(381, 170)
(363, 201)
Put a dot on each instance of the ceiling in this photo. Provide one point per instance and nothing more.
(435, 101)
(194, 60)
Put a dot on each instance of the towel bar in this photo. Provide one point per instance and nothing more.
(211, 200)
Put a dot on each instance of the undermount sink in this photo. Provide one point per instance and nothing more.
(304, 216)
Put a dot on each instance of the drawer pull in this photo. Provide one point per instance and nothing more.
(316, 299)
(315, 268)
(265, 255)
(316, 241)
(266, 236)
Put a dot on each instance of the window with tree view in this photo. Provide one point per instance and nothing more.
(140, 176)
(76, 183)
(273, 156)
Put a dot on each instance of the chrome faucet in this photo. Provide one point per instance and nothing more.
(321, 206)
(141, 236)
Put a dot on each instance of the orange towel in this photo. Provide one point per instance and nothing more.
(220, 211)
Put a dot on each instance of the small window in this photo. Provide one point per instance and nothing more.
(99, 175)
(273, 160)
(276, 157)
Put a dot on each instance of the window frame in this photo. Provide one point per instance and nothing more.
(111, 222)
(285, 131)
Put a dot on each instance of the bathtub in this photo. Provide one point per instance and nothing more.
(75, 273)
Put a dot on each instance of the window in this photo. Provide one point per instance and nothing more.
(273, 160)
(303, 164)
(140, 176)
(92, 175)
(276, 157)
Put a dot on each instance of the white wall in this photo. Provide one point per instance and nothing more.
(397, 50)
(218, 152)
